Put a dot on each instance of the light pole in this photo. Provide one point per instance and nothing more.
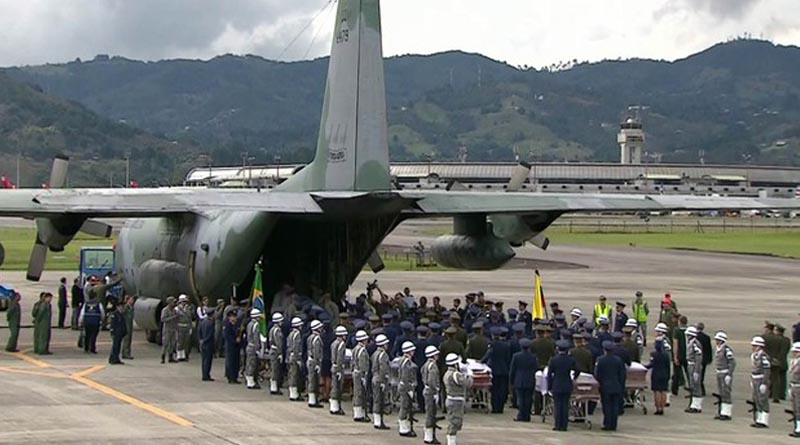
(19, 158)
(127, 171)
(277, 159)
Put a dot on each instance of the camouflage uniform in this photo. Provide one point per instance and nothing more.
(360, 373)
(275, 357)
(407, 386)
(251, 351)
(794, 385)
(294, 349)
(380, 382)
(337, 372)
(431, 380)
(314, 366)
(456, 384)
(759, 381)
(725, 364)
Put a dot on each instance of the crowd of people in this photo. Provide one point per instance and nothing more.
(306, 347)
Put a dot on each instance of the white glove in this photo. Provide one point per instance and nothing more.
(728, 380)
(317, 369)
(762, 389)
(436, 398)
(338, 376)
(696, 377)
(411, 394)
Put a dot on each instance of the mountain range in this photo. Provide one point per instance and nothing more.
(735, 102)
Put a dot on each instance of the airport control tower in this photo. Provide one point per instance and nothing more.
(631, 139)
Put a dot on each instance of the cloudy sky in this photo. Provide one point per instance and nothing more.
(521, 32)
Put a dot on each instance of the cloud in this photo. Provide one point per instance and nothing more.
(719, 9)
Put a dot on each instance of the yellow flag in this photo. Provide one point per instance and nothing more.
(539, 306)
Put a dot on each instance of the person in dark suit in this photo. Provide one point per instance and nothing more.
(708, 354)
(63, 297)
(522, 375)
(232, 347)
(118, 331)
(498, 357)
(76, 301)
(559, 380)
(659, 376)
(610, 375)
(205, 336)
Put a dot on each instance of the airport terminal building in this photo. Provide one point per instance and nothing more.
(728, 180)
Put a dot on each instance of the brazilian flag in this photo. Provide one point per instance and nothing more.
(257, 299)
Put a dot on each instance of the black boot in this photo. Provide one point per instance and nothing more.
(162, 359)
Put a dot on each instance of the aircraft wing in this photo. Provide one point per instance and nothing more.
(33, 203)
(443, 203)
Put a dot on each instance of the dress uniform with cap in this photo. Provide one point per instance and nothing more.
(584, 361)
(406, 386)
(779, 364)
(478, 344)
(315, 353)
(251, 351)
(498, 357)
(294, 350)
(360, 375)
(725, 365)
(421, 342)
(525, 317)
(620, 318)
(184, 328)
(544, 348)
(522, 377)
(759, 382)
(276, 346)
(559, 381)
(610, 375)
(694, 362)
(456, 384)
(380, 380)
(338, 348)
(794, 387)
(431, 381)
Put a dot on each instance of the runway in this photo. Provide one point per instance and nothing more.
(146, 402)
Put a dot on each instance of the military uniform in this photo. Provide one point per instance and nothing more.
(407, 385)
(456, 384)
(477, 345)
(251, 353)
(13, 318)
(127, 314)
(314, 349)
(584, 361)
(294, 349)
(184, 342)
(360, 373)
(694, 362)
(42, 319)
(431, 380)
(275, 358)
(498, 357)
(544, 348)
(779, 367)
(725, 364)
(794, 388)
(380, 383)
(337, 373)
(169, 330)
(759, 381)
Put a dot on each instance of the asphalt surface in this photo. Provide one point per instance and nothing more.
(71, 397)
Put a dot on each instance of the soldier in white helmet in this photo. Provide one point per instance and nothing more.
(725, 364)
(407, 386)
(294, 349)
(276, 345)
(694, 361)
(360, 373)
(794, 387)
(431, 381)
(759, 381)
(338, 348)
(456, 384)
(184, 342)
(380, 380)
(314, 363)
(253, 333)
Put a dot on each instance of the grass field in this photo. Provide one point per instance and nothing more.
(19, 241)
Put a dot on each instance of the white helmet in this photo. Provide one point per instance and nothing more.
(182, 297)
(721, 336)
(576, 312)
(757, 341)
(691, 331)
(796, 346)
(603, 320)
(662, 328)
(431, 351)
(297, 322)
(381, 340)
(631, 323)
(362, 336)
(408, 347)
(340, 331)
(255, 313)
(277, 317)
(316, 325)
(452, 359)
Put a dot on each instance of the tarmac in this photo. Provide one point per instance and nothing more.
(71, 397)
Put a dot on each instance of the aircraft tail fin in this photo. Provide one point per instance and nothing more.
(352, 148)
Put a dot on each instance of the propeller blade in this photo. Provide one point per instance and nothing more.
(519, 176)
(96, 228)
(36, 263)
(375, 262)
(58, 173)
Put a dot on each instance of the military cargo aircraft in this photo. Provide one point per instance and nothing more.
(319, 228)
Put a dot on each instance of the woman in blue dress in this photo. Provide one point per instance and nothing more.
(659, 376)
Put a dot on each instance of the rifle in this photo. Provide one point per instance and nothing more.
(752, 408)
(717, 403)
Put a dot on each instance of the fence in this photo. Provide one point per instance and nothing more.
(675, 225)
